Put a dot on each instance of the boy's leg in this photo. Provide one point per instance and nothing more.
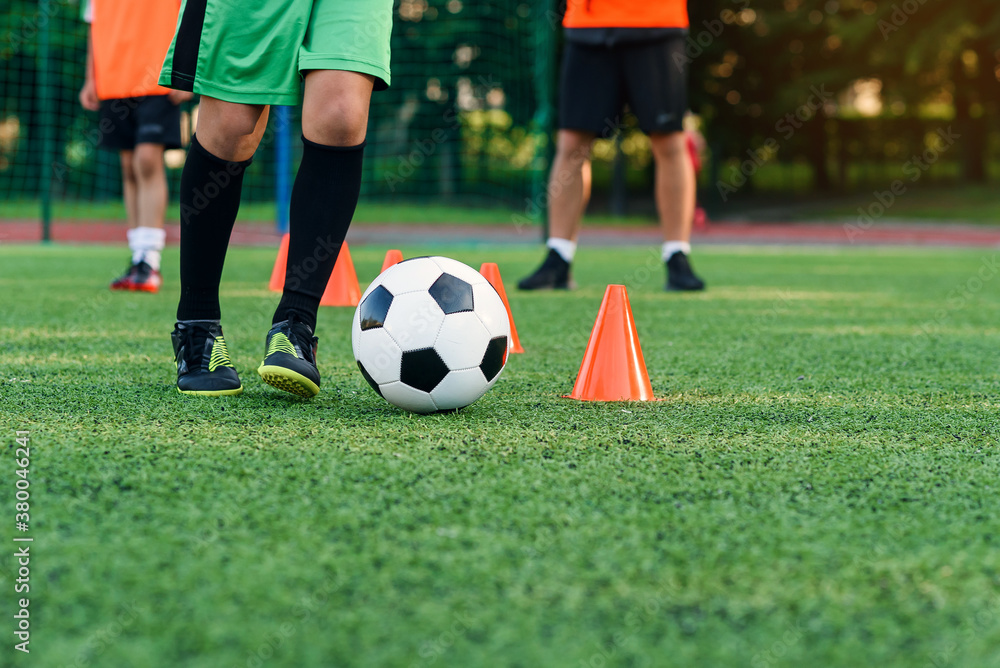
(117, 133)
(210, 198)
(211, 183)
(125, 157)
(153, 124)
(240, 57)
(147, 238)
(327, 186)
(325, 194)
(151, 185)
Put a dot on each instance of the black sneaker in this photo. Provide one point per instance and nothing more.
(146, 279)
(203, 364)
(552, 275)
(124, 282)
(140, 277)
(679, 274)
(290, 359)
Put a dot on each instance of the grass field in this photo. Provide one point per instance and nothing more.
(819, 485)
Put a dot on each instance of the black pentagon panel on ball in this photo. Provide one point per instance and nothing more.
(422, 369)
(368, 377)
(495, 357)
(374, 308)
(452, 294)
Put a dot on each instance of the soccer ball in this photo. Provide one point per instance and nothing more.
(431, 334)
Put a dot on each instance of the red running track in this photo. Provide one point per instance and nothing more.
(843, 234)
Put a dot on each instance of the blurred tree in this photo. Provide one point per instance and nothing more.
(940, 51)
(763, 73)
(755, 62)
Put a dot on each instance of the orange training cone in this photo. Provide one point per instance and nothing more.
(613, 368)
(343, 288)
(491, 272)
(280, 264)
(391, 257)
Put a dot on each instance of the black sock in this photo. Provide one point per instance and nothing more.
(324, 197)
(210, 199)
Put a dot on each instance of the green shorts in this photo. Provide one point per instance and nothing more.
(253, 51)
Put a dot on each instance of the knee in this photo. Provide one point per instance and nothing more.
(574, 158)
(671, 146)
(574, 150)
(241, 122)
(338, 121)
(147, 165)
(128, 171)
(231, 131)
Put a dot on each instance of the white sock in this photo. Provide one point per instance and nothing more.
(565, 248)
(146, 243)
(671, 247)
(152, 258)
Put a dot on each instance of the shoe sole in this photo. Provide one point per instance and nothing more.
(288, 381)
(136, 287)
(674, 288)
(212, 393)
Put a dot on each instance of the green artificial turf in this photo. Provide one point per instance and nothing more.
(818, 486)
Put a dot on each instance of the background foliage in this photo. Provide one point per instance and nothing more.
(825, 96)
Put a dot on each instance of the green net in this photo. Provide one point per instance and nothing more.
(467, 120)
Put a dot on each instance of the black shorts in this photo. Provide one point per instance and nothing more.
(140, 120)
(597, 82)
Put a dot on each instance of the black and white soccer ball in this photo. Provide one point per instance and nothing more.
(431, 334)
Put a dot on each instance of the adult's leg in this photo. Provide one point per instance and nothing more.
(675, 186)
(656, 83)
(569, 184)
(327, 186)
(590, 103)
(675, 200)
(569, 192)
(228, 134)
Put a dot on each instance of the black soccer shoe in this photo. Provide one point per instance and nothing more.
(203, 364)
(140, 277)
(290, 358)
(146, 279)
(552, 275)
(680, 276)
(124, 282)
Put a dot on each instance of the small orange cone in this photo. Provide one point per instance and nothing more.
(391, 257)
(613, 368)
(277, 283)
(491, 272)
(343, 288)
